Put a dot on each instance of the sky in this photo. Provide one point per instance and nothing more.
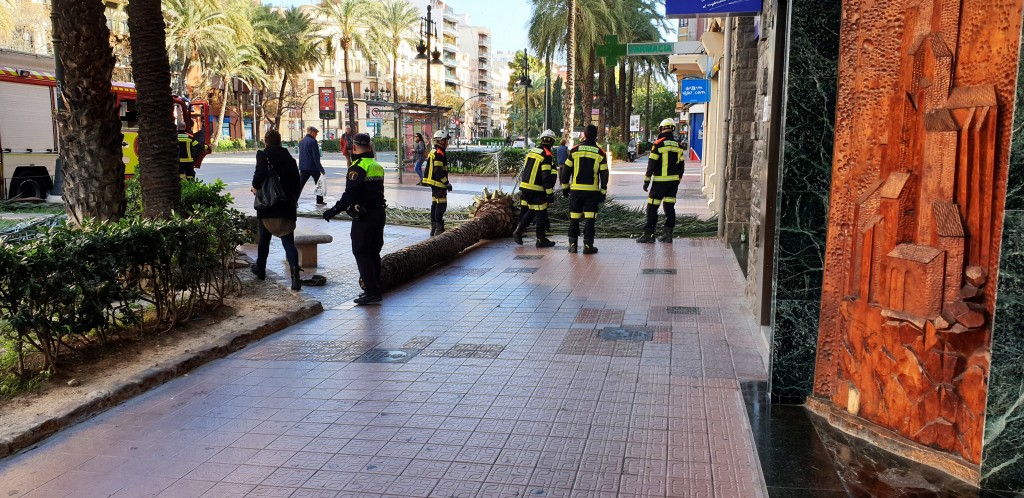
(506, 20)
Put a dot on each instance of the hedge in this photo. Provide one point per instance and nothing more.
(482, 163)
(73, 286)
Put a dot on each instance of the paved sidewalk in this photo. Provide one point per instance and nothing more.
(507, 389)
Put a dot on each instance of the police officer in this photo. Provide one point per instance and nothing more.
(437, 178)
(584, 181)
(364, 201)
(536, 187)
(188, 149)
(665, 168)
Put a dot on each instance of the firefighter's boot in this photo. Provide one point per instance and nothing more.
(517, 235)
(573, 245)
(647, 237)
(433, 228)
(666, 235)
(296, 278)
(543, 240)
(440, 228)
(588, 247)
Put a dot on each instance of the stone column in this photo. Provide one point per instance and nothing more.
(743, 83)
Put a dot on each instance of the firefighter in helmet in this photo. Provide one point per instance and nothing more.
(537, 188)
(437, 178)
(584, 181)
(665, 169)
(188, 149)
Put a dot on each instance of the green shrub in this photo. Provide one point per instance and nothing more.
(383, 144)
(618, 150)
(330, 146)
(195, 196)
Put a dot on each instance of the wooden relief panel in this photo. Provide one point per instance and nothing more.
(917, 195)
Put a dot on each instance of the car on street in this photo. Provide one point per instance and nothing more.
(518, 143)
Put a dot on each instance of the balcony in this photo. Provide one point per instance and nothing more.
(484, 41)
(451, 29)
(483, 64)
(449, 15)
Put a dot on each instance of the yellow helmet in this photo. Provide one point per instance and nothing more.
(667, 123)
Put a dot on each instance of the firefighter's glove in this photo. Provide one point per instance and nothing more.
(449, 187)
(646, 186)
(330, 213)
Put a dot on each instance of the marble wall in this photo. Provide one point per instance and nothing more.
(1003, 451)
(803, 194)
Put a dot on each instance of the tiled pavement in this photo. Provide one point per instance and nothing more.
(495, 383)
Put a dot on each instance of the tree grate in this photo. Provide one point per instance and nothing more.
(521, 270)
(384, 355)
(659, 271)
(683, 310)
(626, 334)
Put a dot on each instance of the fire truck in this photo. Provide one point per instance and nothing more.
(28, 131)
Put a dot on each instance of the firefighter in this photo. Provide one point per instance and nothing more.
(584, 181)
(665, 169)
(188, 149)
(536, 189)
(364, 201)
(437, 178)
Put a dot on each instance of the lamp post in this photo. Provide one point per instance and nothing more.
(525, 82)
(423, 49)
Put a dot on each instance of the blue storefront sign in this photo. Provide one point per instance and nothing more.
(691, 8)
(694, 91)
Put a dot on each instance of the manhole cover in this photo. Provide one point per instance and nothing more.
(529, 256)
(683, 310)
(626, 334)
(659, 271)
(380, 355)
(521, 270)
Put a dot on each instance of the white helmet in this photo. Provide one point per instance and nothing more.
(667, 123)
(547, 134)
(441, 135)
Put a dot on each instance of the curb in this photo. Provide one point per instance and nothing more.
(99, 401)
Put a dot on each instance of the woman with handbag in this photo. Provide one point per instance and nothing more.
(276, 186)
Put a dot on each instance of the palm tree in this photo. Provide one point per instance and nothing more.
(393, 24)
(296, 51)
(196, 31)
(7, 24)
(89, 128)
(158, 143)
(242, 63)
(347, 17)
(492, 218)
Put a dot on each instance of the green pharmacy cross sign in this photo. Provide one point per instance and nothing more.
(612, 49)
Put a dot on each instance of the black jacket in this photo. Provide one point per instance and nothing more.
(286, 169)
(364, 184)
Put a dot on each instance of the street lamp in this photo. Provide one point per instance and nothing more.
(423, 49)
(526, 83)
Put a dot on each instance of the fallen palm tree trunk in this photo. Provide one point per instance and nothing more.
(492, 216)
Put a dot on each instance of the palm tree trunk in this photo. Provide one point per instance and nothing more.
(588, 87)
(621, 102)
(348, 90)
(89, 128)
(158, 143)
(569, 91)
(602, 102)
(223, 110)
(280, 101)
(547, 91)
(648, 118)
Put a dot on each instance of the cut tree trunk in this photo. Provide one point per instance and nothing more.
(158, 139)
(494, 217)
(89, 127)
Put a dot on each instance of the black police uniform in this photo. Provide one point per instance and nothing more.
(536, 186)
(364, 200)
(585, 178)
(665, 169)
(437, 178)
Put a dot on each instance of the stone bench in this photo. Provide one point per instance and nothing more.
(306, 241)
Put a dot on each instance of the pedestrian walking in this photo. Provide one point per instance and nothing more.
(536, 189)
(364, 201)
(279, 219)
(437, 178)
(346, 145)
(584, 180)
(561, 154)
(665, 169)
(310, 165)
(419, 154)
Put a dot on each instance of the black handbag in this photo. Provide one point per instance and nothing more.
(271, 193)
